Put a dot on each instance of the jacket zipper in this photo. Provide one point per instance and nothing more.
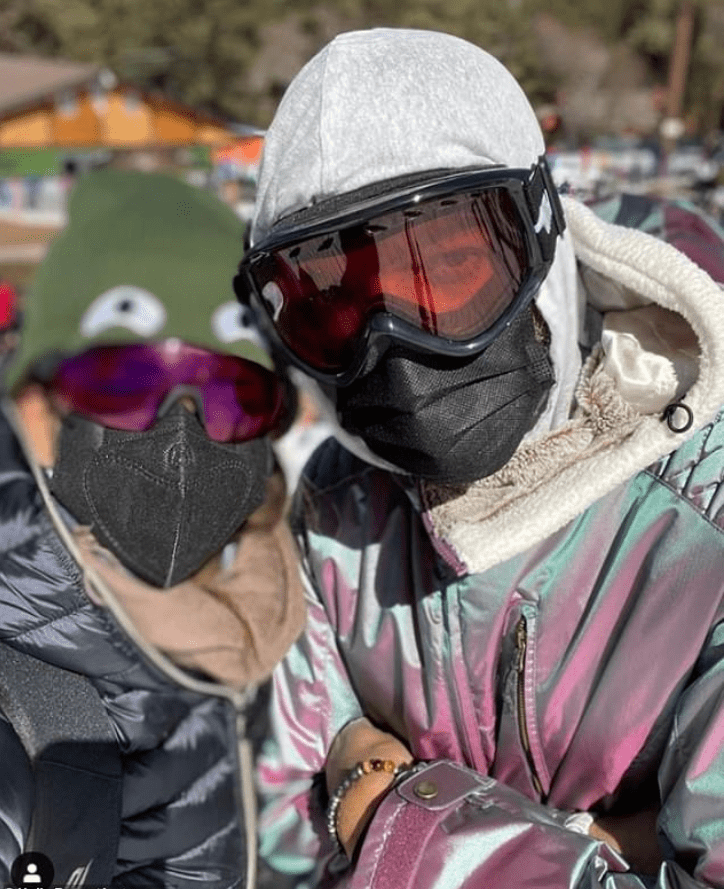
(246, 785)
(521, 641)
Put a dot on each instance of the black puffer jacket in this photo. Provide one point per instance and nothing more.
(181, 819)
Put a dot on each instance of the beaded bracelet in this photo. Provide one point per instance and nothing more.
(362, 768)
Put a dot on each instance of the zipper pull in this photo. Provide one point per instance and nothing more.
(521, 643)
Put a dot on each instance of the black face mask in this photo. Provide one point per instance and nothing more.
(164, 500)
(447, 421)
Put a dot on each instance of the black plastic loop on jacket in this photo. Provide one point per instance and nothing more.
(669, 412)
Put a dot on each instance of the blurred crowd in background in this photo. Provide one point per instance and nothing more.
(692, 170)
(630, 97)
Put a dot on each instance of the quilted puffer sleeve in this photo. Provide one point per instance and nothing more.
(16, 797)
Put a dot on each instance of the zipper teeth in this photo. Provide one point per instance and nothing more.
(247, 793)
(521, 634)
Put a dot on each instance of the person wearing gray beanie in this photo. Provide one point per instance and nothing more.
(512, 672)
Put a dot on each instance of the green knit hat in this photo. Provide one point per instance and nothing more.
(143, 257)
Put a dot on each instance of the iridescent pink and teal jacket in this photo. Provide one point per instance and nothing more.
(549, 641)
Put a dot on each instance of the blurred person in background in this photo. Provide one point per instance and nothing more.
(512, 672)
(9, 319)
(148, 580)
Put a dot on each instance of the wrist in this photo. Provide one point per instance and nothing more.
(354, 801)
(358, 807)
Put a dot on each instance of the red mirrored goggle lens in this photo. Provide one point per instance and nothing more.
(123, 387)
(449, 266)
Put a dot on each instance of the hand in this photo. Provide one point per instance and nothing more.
(634, 836)
(358, 741)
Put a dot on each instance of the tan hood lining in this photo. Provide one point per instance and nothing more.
(232, 624)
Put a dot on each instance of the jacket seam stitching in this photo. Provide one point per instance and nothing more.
(683, 499)
(44, 624)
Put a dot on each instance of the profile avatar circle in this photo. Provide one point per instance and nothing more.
(32, 869)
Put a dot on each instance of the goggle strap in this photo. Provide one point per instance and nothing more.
(545, 207)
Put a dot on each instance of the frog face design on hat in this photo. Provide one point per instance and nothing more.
(143, 257)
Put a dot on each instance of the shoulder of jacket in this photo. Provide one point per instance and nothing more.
(695, 471)
(676, 221)
(338, 489)
(41, 585)
(333, 466)
(22, 506)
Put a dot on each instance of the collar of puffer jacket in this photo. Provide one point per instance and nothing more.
(662, 343)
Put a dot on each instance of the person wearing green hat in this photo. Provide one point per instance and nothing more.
(148, 581)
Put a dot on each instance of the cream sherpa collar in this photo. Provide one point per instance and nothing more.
(555, 479)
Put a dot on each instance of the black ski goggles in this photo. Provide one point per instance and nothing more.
(442, 266)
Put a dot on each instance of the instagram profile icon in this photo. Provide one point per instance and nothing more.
(32, 870)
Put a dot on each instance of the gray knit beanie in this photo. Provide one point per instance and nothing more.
(356, 114)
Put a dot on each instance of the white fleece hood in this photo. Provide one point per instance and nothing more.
(356, 115)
